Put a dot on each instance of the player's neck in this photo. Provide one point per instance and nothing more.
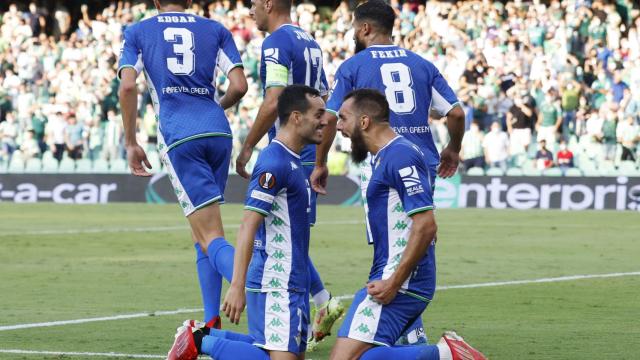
(379, 138)
(171, 8)
(380, 39)
(281, 19)
(290, 140)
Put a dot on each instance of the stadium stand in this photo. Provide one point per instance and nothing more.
(567, 70)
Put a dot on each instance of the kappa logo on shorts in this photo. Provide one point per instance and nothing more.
(411, 180)
(267, 181)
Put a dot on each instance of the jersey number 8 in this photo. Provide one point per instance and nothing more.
(397, 81)
(183, 48)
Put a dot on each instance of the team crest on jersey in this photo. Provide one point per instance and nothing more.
(271, 55)
(411, 180)
(267, 181)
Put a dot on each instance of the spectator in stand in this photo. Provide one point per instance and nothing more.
(628, 136)
(472, 154)
(570, 105)
(113, 137)
(74, 137)
(618, 87)
(95, 138)
(520, 120)
(565, 156)
(29, 146)
(496, 147)
(544, 157)
(9, 131)
(609, 136)
(38, 125)
(549, 118)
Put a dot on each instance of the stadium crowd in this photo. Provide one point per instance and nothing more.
(542, 86)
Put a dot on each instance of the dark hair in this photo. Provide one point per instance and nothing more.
(182, 3)
(282, 5)
(370, 102)
(294, 98)
(378, 12)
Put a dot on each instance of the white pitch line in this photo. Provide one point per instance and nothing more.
(147, 229)
(68, 353)
(342, 297)
(522, 282)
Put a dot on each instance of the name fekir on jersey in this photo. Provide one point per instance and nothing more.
(180, 55)
(291, 56)
(413, 86)
(399, 188)
(280, 191)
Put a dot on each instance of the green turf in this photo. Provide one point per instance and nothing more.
(49, 271)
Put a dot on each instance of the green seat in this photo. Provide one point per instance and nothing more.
(475, 171)
(514, 172)
(628, 168)
(554, 171)
(16, 165)
(67, 166)
(49, 165)
(573, 172)
(494, 171)
(84, 166)
(119, 166)
(531, 171)
(100, 166)
(33, 166)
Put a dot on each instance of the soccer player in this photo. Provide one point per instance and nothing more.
(413, 87)
(272, 248)
(402, 229)
(180, 55)
(289, 56)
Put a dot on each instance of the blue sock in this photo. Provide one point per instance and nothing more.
(223, 349)
(315, 281)
(423, 352)
(230, 335)
(221, 257)
(210, 285)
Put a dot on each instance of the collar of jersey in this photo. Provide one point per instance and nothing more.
(283, 25)
(373, 160)
(286, 148)
(389, 45)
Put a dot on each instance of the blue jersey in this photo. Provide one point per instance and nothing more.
(399, 187)
(291, 56)
(280, 191)
(180, 55)
(413, 86)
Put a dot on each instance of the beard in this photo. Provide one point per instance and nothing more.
(359, 45)
(359, 150)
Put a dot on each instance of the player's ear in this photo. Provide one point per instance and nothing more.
(365, 121)
(268, 5)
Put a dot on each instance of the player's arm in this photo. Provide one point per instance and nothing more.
(423, 231)
(129, 68)
(341, 86)
(129, 107)
(237, 88)
(234, 300)
(267, 115)
(445, 102)
(230, 63)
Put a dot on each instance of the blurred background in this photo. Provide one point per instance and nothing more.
(550, 88)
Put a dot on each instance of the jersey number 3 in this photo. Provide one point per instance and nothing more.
(397, 81)
(183, 46)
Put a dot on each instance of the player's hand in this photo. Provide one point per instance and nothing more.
(242, 160)
(449, 160)
(137, 159)
(383, 291)
(234, 302)
(319, 178)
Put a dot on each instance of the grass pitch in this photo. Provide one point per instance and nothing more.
(74, 262)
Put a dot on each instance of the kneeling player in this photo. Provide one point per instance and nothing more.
(402, 226)
(274, 236)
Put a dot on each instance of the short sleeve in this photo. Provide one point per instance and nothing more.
(409, 176)
(443, 97)
(228, 55)
(130, 52)
(266, 182)
(277, 62)
(342, 85)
